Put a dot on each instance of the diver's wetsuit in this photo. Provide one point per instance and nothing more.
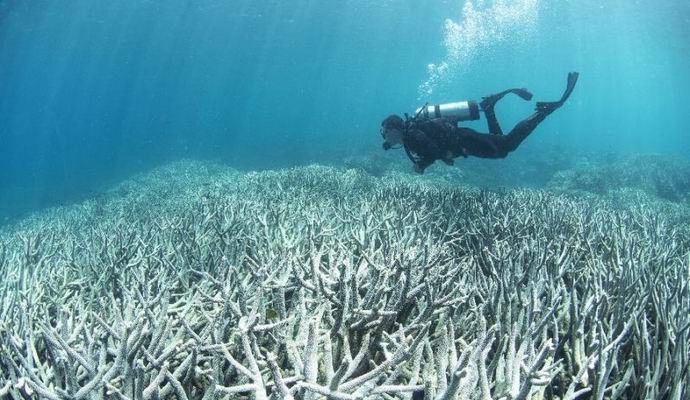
(428, 140)
(440, 139)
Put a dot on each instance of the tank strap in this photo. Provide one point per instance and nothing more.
(410, 120)
(412, 158)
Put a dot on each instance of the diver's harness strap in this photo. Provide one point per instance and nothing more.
(409, 123)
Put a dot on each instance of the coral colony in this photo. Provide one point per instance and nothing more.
(195, 282)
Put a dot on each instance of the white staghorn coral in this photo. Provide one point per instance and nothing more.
(316, 283)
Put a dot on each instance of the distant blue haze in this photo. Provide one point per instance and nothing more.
(92, 91)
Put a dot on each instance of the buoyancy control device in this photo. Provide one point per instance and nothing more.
(459, 111)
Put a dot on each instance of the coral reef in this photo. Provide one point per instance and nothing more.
(195, 282)
(375, 164)
(528, 168)
(661, 176)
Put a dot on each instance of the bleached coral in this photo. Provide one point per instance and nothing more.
(317, 283)
(661, 176)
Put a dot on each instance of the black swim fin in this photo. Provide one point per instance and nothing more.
(554, 105)
(488, 102)
(523, 93)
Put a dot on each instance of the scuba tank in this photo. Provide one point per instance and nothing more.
(459, 111)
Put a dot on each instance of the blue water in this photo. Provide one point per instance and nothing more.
(92, 91)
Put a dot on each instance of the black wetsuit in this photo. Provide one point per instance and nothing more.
(428, 140)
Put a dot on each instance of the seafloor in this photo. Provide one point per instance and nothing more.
(195, 281)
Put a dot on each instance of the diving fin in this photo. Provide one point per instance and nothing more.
(488, 102)
(523, 93)
(553, 105)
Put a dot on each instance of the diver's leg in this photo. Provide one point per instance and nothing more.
(472, 143)
(544, 109)
(487, 104)
(490, 114)
(520, 132)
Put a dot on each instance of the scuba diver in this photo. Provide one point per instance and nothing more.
(433, 133)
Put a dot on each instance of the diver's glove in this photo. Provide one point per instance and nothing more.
(449, 158)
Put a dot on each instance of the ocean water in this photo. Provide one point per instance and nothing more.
(94, 91)
(195, 202)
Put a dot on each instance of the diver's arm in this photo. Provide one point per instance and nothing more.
(422, 150)
(420, 163)
(442, 128)
(423, 164)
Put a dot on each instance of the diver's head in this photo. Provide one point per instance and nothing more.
(392, 129)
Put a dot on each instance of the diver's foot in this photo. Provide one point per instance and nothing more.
(487, 104)
(551, 106)
(548, 106)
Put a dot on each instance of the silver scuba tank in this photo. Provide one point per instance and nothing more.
(459, 111)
